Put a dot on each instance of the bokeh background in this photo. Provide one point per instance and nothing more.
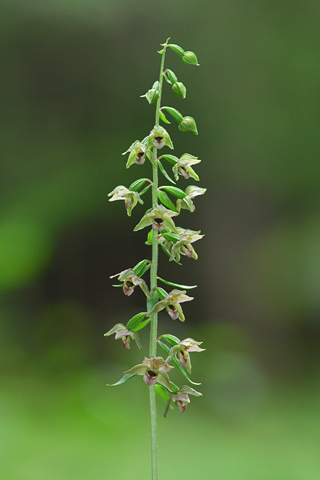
(71, 76)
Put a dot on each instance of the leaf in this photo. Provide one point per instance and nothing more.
(141, 268)
(170, 158)
(135, 321)
(176, 48)
(163, 117)
(177, 285)
(162, 293)
(174, 113)
(142, 325)
(145, 189)
(163, 197)
(164, 173)
(149, 238)
(162, 392)
(171, 339)
(171, 237)
(122, 380)
(177, 364)
(177, 192)
(137, 184)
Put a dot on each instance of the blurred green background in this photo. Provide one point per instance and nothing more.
(72, 72)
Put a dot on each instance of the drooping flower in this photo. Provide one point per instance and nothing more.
(159, 137)
(183, 245)
(138, 153)
(183, 167)
(159, 218)
(130, 198)
(130, 281)
(182, 399)
(121, 332)
(172, 304)
(191, 192)
(182, 349)
(154, 370)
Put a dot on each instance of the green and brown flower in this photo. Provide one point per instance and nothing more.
(154, 370)
(130, 198)
(121, 332)
(159, 218)
(172, 304)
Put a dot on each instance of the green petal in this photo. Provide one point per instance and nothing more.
(157, 308)
(163, 379)
(131, 159)
(144, 222)
(114, 329)
(169, 224)
(124, 379)
(137, 370)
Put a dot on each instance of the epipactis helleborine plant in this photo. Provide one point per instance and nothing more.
(175, 241)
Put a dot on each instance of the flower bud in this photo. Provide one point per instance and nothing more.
(188, 124)
(152, 95)
(171, 76)
(179, 89)
(190, 58)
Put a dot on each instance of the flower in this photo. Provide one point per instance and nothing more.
(182, 349)
(138, 153)
(172, 304)
(130, 198)
(121, 332)
(130, 281)
(159, 218)
(183, 167)
(181, 398)
(159, 137)
(154, 370)
(183, 245)
(191, 192)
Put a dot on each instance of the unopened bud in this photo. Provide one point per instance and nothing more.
(152, 95)
(188, 124)
(190, 58)
(179, 89)
(171, 76)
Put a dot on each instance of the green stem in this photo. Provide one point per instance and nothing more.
(154, 299)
